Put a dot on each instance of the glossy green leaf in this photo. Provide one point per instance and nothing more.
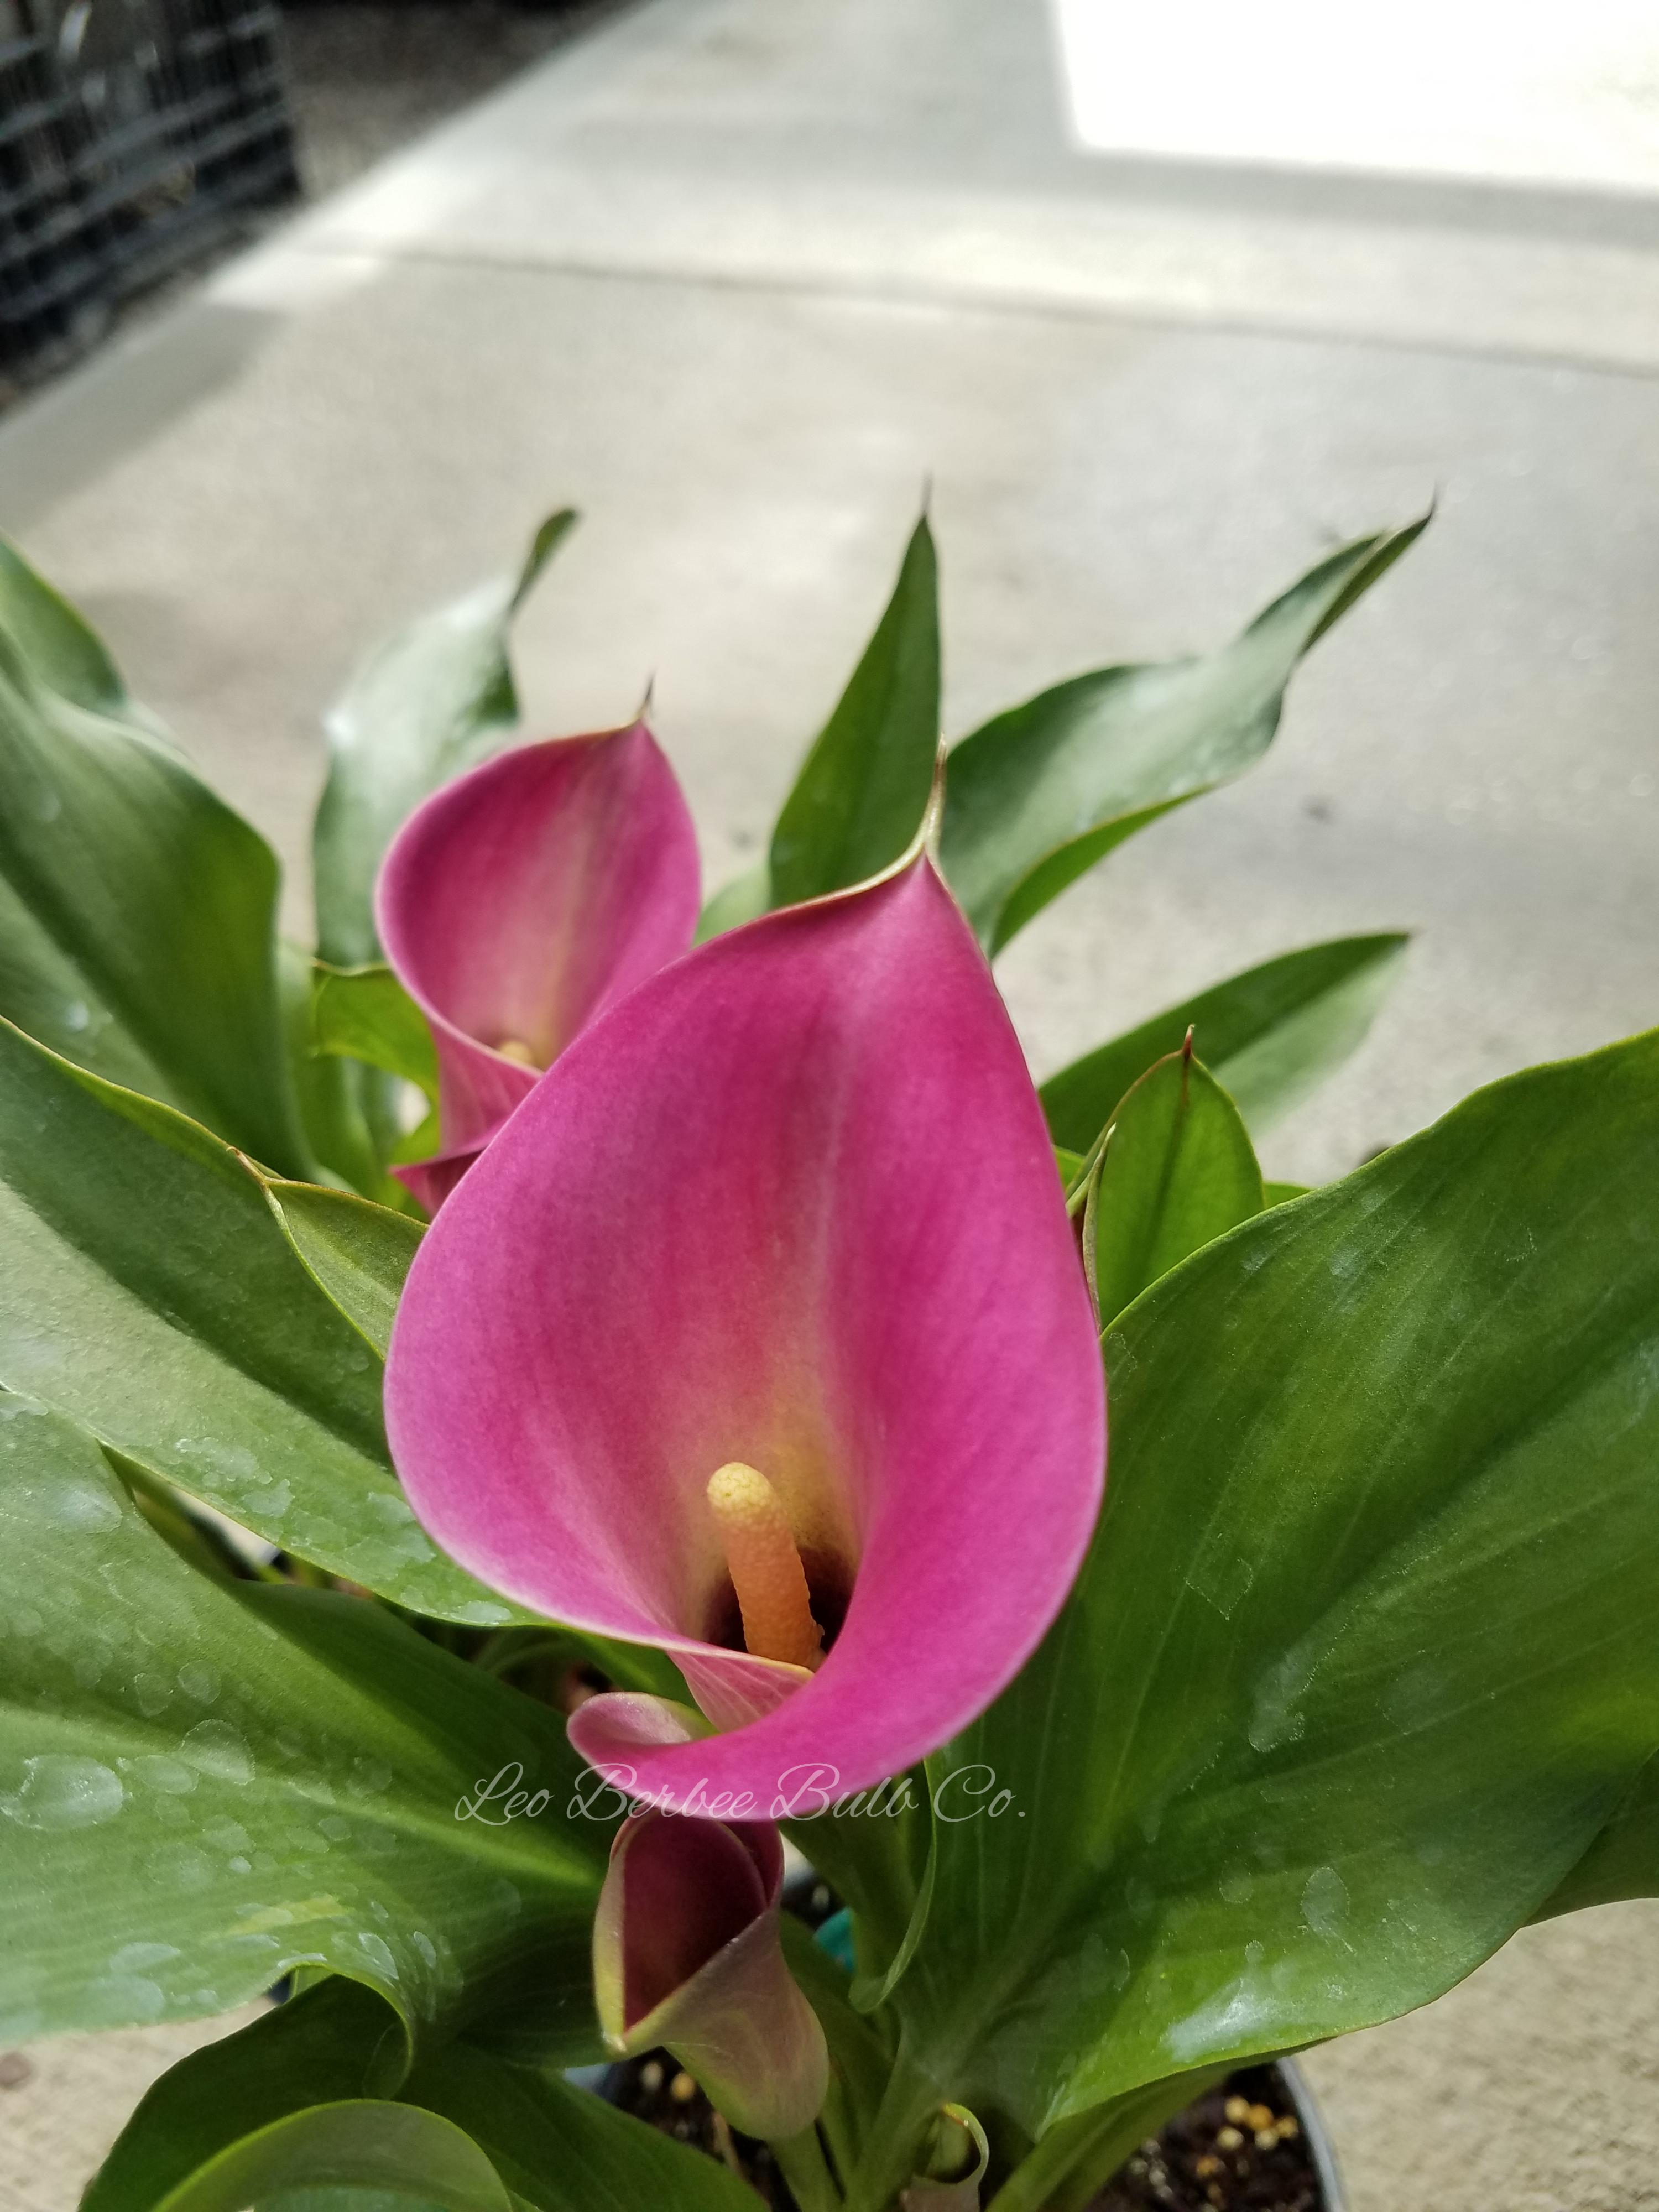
(1363, 1657)
(1065, 2171)
(150, 1292)
(562, 2149)
(1270, 1035)
(346, 1110)
(1178, 1171)
(1281, 1194)
(355, 1041)
(137, 911)
(435, 699)
(1623, 1860)
(1040, 794)
(365, 1013)
(358, 1253)
(860, 2061)
(865, 786)
(202, 1786)
(344, 2200)
(336, 2040)
(397, 2150)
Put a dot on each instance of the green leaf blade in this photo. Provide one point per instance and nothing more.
(1623, 1859)
(1043, 792)
(57, 641)
(745, 898)
(411, 2155)
(237, 1780)
(151, 1294)
(865, 786)
(1364, 1659)
(562, 2149)
(365, 1014)
(336, 2040)
(137, 912)
(1177, 1173)
(435, 699)
(358, 1253)
(1269, 1035)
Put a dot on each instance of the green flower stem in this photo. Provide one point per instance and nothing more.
(804, 2167)
(894, 2147)
(869, 1860)
(1073, 2159)
(1072, 2150)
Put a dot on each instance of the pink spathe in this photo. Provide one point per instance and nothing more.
(793, 1203)
(519, 902)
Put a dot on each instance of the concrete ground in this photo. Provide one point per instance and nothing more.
(735, 280)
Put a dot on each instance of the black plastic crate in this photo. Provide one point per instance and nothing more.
(132, 132)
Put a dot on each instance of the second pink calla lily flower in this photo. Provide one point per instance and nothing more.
(760, 1335)
(687, 1952)
(520, 901)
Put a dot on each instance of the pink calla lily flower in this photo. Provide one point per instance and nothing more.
(687, 1954)
(520, 901)
(760, 1335)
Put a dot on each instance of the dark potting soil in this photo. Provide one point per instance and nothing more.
(655, 2089)
(1238, 2148)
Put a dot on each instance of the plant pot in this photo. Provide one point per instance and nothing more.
(1210, 2147)
(1168, 2173)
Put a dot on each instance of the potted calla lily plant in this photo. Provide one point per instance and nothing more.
(555, 1478)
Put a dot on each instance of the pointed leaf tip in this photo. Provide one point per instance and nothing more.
(1045, 790)
(865, 786)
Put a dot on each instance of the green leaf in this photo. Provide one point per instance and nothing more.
(343, 1107)
(1076, 2158)
(859, 2056)
(1045, 790)
(865, 786)
(1069, 1164)
(1281, 1194)
(396, 2150)
(137, 911)
(336, 2040)
(1270, 1035)
(364, 1016)
(535, 1658)
(203, 1786)
(151, 1293)
(743, 899)
(1364, 1656)
(1177, 1172)
(59, 645)
(365, 1013)
(435, 699)
(1623, 1860)
(358, 1253)
(344, 2200)
(356, 1038)
(562, 2149)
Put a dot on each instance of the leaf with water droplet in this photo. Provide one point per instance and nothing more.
(152, 1850)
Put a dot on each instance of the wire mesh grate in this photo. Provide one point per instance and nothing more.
(131, 131)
